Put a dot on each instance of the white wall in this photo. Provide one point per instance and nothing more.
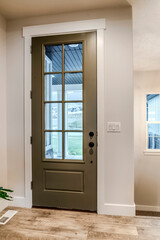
(3, 124)
(146, 35)
(119, 163)
(147, 176)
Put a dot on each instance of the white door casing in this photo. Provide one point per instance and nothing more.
(98, 25)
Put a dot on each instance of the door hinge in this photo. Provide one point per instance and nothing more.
(31, 185)
(31, 94)
(31, 49)
(31, 140)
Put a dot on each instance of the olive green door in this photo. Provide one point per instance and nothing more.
(64, 121)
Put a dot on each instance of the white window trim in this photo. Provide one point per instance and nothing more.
(98, 25)
(150, 152)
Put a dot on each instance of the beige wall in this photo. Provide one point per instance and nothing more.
(3, 125)
(147, 167)
(119, 163)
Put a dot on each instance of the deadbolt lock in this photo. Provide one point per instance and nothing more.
(91, 134)
(91, 144)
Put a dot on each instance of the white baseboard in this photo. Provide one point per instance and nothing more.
(118, 209)
(148, 208)
(3, 204)
(108, 209)
(17, 202)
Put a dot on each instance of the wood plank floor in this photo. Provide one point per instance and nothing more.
(47, 224)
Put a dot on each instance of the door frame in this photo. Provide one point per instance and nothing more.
(98, 25)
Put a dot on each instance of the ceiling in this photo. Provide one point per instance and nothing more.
(13, 9)
(72, 57)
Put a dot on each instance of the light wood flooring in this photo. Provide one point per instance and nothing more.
(47, 224)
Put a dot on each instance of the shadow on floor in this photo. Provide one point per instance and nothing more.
(146, 213)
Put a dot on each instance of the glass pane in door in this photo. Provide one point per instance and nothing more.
(53, 145)
(73, 116)
(53, 116)
(74, 145)
(53, 58)
(53, 87)
(73, 86)
(73, 57)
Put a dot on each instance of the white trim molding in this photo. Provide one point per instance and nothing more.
(151, 152)
(98, 25)
(64, 28)
(18, 202)
(148, 208)
(119, 209)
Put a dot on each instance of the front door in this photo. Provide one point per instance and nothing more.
(64, 123)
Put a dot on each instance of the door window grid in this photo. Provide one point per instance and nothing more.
(72, 133)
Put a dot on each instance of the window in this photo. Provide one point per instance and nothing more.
(63, 101)
(153, 121)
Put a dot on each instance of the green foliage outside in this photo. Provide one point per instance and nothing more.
(4, 194)
(74, 144)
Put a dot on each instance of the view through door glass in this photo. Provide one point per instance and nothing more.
(63, 99)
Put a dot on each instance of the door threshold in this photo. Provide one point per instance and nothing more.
(63, 209)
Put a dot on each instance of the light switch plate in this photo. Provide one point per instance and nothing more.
(114, 127)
